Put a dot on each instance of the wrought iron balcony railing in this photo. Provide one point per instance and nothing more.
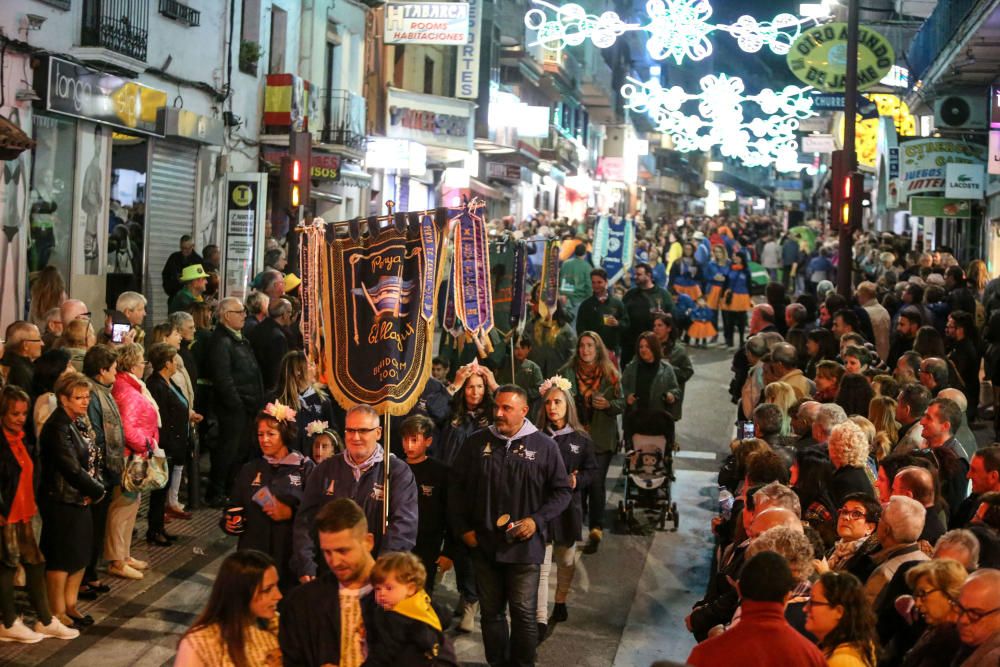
(118, 25)
(343, 118)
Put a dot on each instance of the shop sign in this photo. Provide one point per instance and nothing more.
(964, 181)
(818, 143)
(190, 125)
(994, 157)
(79, 91)
(922, 163)
(995, 107)
(940, 207)
(818, 57)
(894, 162)
(323, 166)
(429, 119)
(245, 198)
(427, 23)
(503, 171)
(467, 62)
(611, 168)
(396, 154)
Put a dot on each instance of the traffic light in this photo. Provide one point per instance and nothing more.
(290, 184)
(838, 177)
(854, 187)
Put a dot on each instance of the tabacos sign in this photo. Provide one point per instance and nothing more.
(818, 57)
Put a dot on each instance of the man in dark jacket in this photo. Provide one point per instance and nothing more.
(641, 302)
(939, 425)
(358, 474)
(23, 345)
(603, 313)
(238, 393)
(509, 482)
(330, 620)
(176, 263)
(270, 341)
(961, 333)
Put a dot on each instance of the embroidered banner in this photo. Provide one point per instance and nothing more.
(519, 297)
(379, 296)
(503, 257)
(548, 293)
(473, 295)
(614, 246)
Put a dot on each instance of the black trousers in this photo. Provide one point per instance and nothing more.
(732, 321)
(100, 513)
(596, 496)
(229, 453)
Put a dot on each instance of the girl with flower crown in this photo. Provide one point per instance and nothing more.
(558, 420)
(268, 490)
(597, 392)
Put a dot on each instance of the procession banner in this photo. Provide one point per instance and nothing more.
(614, 246)
(504, 254)
(548, 293)
(379, 296)
(601, 238)
(473, 295)
(519, 298)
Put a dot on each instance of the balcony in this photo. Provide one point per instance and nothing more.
(180, 13)
(937, 32)
(121, 26)
(343, 118)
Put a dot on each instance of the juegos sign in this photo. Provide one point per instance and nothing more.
(819, 57)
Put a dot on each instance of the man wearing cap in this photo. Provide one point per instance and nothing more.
(194, 281)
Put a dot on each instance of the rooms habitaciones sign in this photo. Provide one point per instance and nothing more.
(427, 23)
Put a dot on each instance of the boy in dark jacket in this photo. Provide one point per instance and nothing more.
(409, 629)
(431, 476)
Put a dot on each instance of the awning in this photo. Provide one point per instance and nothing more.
(326, 196)
(358, 179)
(485, 190)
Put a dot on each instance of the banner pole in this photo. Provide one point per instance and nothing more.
(385, 474)
(513, 372)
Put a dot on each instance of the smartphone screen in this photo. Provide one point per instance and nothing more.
(118, 332)
(747, 430)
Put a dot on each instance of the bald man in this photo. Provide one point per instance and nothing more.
(918, 483)
(73, 309)
(979, 619)
(771, 517)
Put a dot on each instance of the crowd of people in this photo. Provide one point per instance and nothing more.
(846, 531)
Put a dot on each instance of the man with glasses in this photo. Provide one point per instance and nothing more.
(978, 608)
(934, 374)
(239, 394)
(23, 346)
(358, 473)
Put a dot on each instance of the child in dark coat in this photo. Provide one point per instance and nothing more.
(409, 628)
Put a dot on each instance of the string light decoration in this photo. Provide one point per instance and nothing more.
(677, 29)
(721, 122)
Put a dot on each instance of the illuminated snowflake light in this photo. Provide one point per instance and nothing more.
(721, 122)
(677, 29)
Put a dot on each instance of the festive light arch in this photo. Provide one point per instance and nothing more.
(721, 121)
(677, 29)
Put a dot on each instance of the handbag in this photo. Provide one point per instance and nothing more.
(145, 473)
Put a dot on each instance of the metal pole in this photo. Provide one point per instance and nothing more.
(846, 254)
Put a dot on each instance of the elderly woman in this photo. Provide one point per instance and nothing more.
(795, 547)
(849, 450)
(268, 490)
(141, 426)
(19, 471)
(176, 417)
(783, 395)
(753, 387)
(70, 484)
(935, 585)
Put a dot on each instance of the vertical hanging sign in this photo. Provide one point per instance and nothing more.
(467, 63)
(245, 197)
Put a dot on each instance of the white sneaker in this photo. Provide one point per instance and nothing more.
(56, 629)
(19, 632)
(136, 563)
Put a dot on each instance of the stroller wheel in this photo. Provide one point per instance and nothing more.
(621, 511)
(675, 516)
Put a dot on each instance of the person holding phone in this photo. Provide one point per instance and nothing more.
(597, 394)
(268, 491)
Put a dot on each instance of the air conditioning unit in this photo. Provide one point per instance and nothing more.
(960, 112)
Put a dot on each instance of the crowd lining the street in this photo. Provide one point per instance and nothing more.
(847, 533)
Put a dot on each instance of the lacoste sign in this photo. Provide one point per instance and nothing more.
(964, 181)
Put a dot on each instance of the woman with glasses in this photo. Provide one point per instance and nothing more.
(857, 520)
(935, 585)
(840, 617)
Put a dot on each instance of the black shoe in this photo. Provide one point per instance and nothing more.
(158, 539)
(98, 587)
(543, 630)
(559, 614)
(87, 593)
(81, 622)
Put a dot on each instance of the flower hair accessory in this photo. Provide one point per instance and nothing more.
(316, 427)
(555, 381)
(280, 412)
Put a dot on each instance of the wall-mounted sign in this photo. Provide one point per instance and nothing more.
(611, 168)
(427, 23)
(940, 207)
(467, 62)
(79, 91)
(245, 198)
(818, 143)
(503, 171)
(994, 162)
(995, 107)
(323, 166)
(922, 163)
(443, 122)
(818, 57)
(964, 181)
(399, 154)
(508, 111)
(866, 129)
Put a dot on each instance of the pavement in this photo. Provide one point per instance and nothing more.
(626, 608)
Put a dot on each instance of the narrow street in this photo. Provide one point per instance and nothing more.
(627, 607)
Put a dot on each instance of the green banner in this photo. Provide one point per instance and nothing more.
(940, 207)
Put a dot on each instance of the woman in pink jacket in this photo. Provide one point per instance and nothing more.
(140, 423)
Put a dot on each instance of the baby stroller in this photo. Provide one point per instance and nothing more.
(649, 472)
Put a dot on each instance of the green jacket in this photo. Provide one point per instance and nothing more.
(603, 426)
(550, 350)
(182, 300)
(528, 376)
(665, 382)
(683, 371)
(590, 317)
(574, 281)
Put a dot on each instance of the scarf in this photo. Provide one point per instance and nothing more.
(844, 551)
(588, 378)
(359, 469)
(86, 432)
(292, 458)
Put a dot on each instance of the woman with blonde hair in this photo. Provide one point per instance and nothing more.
(78, 337)
(782, 395)
(935, 585)
(882, 414)
(849, 448)
(297, 388)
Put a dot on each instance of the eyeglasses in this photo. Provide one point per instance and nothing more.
(84, 316)
(853, 515)
(816, 603)
(974, 615)
(920, 595)
(32, 340)
(360, 431)
(236, 312)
